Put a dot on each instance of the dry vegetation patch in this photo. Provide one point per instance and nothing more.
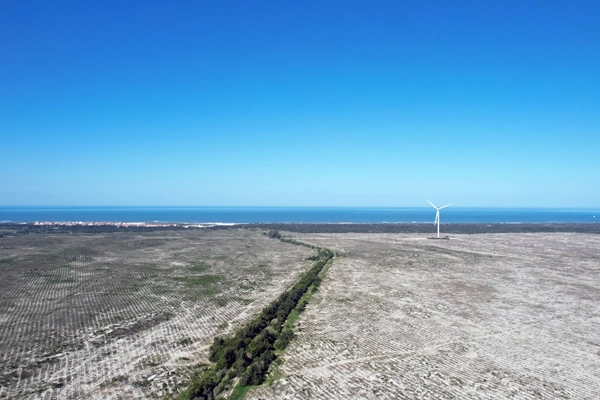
(479, 316)
(128, 315)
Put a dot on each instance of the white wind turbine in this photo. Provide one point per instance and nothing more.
(437, 215)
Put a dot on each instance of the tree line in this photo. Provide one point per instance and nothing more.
(249, 352)
(427, 228)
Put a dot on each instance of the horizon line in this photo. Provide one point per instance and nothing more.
(290, 206)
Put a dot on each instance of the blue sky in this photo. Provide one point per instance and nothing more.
(222, 103)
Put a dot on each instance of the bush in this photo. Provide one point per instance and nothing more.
(274, 234)
(284, 339)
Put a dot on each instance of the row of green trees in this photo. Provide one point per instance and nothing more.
(250, 351)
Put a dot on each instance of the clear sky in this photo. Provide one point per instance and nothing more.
(300, 103)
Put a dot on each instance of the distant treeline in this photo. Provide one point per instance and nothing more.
(247, 354)
(12, 229)
(430, 229)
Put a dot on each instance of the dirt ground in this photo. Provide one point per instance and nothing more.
(128, 315)
(490, 316)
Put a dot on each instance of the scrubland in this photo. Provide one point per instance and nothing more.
(128, 315)
(491, 316)
(397, 316)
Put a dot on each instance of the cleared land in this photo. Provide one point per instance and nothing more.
(128, 315)
(480, 316)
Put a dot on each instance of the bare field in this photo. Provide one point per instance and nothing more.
(128, 315)
(492, 316)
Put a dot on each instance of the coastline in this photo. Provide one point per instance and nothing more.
(312, 215)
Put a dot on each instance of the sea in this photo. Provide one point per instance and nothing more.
(244, 215)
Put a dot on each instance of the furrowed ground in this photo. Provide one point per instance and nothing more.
(128, 315)
(492, 316)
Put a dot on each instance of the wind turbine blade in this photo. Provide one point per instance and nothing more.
(437, 218)
(445, 206)
(431, 204)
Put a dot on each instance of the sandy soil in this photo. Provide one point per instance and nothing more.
(491, 316)
(128, 315)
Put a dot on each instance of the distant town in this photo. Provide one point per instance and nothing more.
(128, 224)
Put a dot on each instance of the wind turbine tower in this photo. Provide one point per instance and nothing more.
(437, 216)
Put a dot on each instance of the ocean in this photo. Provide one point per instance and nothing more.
(296, 214)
